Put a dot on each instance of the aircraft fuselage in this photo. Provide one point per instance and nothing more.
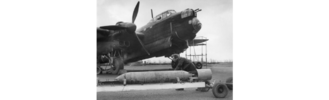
(166, 34)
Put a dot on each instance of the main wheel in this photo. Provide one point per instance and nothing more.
(220, 90)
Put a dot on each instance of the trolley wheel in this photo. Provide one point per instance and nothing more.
(231, 80)
(220, 90)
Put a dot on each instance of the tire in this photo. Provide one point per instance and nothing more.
(99, 70)
(220, 90)
(229, 83)
(198, 65)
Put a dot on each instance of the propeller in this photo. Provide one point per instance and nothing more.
(135, 12)
(124, 25)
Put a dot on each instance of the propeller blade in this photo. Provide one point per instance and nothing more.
(135, 12)
(141, 43)
(102, 33)
(152, 14)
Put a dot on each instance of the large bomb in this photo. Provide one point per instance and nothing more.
(162, 76)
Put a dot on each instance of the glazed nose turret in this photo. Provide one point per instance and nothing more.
(196, 25)
(190, 26)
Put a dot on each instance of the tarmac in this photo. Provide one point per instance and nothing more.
(221, 72)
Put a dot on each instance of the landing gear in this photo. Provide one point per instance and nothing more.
(110, 63)
(111, 68)
(118, 65)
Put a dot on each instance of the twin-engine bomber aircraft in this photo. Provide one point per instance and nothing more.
(167, 33)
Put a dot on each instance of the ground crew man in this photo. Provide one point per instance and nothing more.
(180, 63)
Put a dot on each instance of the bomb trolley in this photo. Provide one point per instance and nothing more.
(153, 80)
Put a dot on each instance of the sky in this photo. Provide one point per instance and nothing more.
(216, 18)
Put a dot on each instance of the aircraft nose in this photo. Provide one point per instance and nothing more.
(196, 25)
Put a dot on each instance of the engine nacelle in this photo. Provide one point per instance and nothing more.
(131, 27)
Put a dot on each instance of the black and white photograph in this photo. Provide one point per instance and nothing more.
(164, 49)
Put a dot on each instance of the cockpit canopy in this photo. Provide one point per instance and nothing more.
(163, 15)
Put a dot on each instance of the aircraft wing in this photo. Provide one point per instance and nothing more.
(101, 33)
(107, 31)
(116, 37)
(197, 42)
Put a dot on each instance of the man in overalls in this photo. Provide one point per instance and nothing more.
(180, 63)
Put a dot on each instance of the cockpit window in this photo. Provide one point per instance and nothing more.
(172, 11)
(163, 15)
(158, 17)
